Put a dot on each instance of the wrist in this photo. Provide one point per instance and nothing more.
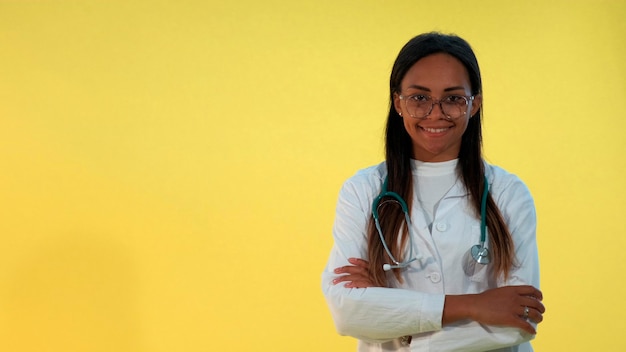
(457, 307)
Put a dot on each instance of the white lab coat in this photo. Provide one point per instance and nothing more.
(378, 316)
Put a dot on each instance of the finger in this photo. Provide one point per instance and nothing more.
(345, 278)
(526, 326)
(531, 314)
(353, 281)
(517, 321)
(539, 307)
(341, 279)
(356, 262)
(353, 270)
(359, 262)
(528, 290)
(533, 303)
(350, 277)
(535, 316)
(358, 284)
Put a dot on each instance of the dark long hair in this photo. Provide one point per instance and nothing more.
(399, 149)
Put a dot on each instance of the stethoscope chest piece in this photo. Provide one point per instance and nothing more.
(480, 253)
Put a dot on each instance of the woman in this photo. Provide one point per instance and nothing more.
(435, 283)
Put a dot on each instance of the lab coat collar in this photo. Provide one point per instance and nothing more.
(459, 190)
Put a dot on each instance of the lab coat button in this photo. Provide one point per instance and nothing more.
(434, 277)
(441, 226)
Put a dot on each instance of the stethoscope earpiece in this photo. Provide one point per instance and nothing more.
(387, 267)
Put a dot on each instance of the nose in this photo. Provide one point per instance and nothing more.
(436, 111)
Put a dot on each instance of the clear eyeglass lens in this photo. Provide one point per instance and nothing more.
(453, 106)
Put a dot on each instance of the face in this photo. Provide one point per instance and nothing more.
(436, 138)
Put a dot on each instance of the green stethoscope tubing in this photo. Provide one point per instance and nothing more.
(479, 252)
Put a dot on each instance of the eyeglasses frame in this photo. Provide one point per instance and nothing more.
(469, 98)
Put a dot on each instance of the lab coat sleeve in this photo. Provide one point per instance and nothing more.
(518, 210)
(373, 314)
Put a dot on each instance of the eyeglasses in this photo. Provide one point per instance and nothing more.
(453, 106)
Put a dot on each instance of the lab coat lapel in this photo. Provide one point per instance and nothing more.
(457, 190)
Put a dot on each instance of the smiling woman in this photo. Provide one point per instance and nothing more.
(444, 297)
(436, 133)
(169, 169)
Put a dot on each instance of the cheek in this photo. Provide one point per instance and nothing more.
(463, 125)
(409, 125)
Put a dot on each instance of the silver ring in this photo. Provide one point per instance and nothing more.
(526, 311)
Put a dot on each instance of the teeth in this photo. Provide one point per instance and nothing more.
(434, 130)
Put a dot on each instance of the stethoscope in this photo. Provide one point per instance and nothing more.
(479, 252)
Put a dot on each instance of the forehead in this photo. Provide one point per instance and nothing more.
(437, 72)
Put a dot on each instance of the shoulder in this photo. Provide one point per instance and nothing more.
(507, 188)
(499, 176)
(373, 174)
(365, 183)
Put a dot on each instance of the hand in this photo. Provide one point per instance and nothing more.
(356, 275)
(505, 306)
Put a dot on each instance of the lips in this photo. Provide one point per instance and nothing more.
(435, 129)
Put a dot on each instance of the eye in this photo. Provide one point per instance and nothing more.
(455, 99)
(419, 98)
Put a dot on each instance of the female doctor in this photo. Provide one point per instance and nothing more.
(434, 249)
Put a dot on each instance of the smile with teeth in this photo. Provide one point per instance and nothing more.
(435, 130)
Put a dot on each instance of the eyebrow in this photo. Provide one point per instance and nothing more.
(428, 89)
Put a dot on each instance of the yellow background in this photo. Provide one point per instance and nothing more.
(169, 169)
